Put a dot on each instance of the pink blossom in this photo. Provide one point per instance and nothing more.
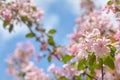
(117, 63)
(107, 76)
(20, 8)
(36, 74)
(87, 5)
(73, 48)
(7, 15)
(12, 71)
(39, 57)
(27, 66)
(75, 35)
(117, 35)
(70, 72)
(51, 68)
(100, 47)
(108, 8)
(24, 51)
(44, 46)
(60, 50)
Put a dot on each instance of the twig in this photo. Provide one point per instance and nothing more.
(92, 77)
(48, 49)
(102, 72)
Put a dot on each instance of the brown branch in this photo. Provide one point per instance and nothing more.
(48, 49)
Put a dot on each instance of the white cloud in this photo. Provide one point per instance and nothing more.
(74, 6)
(18, 30)
(51, 21)
(44, 4)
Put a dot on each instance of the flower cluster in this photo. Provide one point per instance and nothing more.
(93, 47)
(21, 67)
(87, 5)
(19, 11)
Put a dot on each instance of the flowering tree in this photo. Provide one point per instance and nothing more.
(93, 53)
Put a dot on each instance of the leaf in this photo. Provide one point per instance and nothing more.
(52, 31)
(88, 77)
(11, 27)
(118, 1)
(109, 62)
(92, 69)
(100, 63)
(82, 64)
(91, 59)
(49, 58)
(51, 41)
(78, 77)
(112, 50)
(24, 18)
(34, 8)
(21, 74)
(110, 3)
(63, 78)
(5, 24)
(92, 62)
(73, 64)
(112, 31)
(29, 24)
(66, 58)
(30, 35)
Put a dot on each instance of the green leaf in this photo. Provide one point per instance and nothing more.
(73, 64)
(118, 1)
(11, 27)
(34, 8)
(110, 3)
(49, 58)
(112, 50)
(92, 62)
(82, 64)
(92, 69)
(66, 58)
(88, 78)
(100, 63)
(5, 24)
(112, 31)
(24, 18)
(95, 36)
(52, 31)
(51, 41)
(109, 61)
(63, 78)
(78, 77)
(91, 59)
(21, 74)
(30, 35)
(29, 23)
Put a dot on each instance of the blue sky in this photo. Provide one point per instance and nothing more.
(59, 14)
